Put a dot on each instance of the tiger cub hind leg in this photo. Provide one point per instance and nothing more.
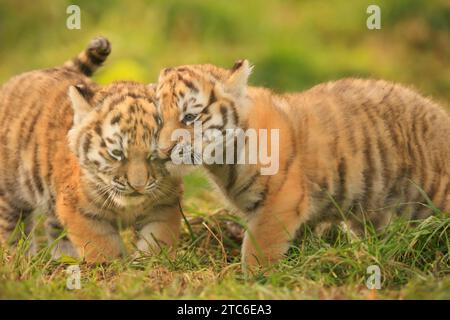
(11, 221)
(268, 237)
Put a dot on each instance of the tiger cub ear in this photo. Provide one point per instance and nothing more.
(79, 96)
(236, 84)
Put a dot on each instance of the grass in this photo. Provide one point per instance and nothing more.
(413, 258)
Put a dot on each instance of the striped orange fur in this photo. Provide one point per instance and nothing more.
(354, 150)
(81, 153)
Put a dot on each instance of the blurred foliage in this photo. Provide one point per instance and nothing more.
(293, 44)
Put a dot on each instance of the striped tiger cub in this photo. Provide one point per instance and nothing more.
(353, 150)
(81, 153)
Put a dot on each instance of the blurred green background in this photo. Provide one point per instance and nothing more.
(293, 44)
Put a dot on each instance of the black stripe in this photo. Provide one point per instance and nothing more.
(445, 205)
(294, 150)
(49, 153)
(255, 205)
(385, 167)
(382, 153)
(368, 171)
(114, 102)
(224, 113)
(17, 89)
(25, 122)
(87, 143)
(231, 177)
(8, 211)
(98, 128)
(431, 192)
(217, 127)
(249, 183)
(235, 114)
(424, 166)
(384, 99)
(53, 223)
(207, 118)
(96, 60)
(388, 170)
(90, 215)
(30, 132)
(36, 173)
(391, 124)
(341, 186)
(8, 228)
(331, 199)
(167, 70)
(53, 228)
(212, 98)
(116, 119)
(190, 85)
(84, 68)
(189, 72)
(354, 110)
(137, 96)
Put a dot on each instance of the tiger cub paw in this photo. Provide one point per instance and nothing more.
(64, 248)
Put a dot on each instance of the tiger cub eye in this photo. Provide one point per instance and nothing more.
(117, 154)
(189, 117)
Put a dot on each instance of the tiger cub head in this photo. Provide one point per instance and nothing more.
(113, 137)
(194, 96)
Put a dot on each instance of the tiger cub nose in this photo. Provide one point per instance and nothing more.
(137, 176)
(139, 187)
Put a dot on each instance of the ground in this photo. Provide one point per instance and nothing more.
(413, 260)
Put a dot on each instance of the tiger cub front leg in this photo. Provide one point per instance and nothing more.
(268, 237)
(57, 240)
(162, 231)
(94, 239)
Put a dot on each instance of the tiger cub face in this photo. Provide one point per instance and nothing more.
(199, 96)
(113, 136)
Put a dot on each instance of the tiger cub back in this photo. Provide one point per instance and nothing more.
(375, 147)
(25, 119)
(27, 142)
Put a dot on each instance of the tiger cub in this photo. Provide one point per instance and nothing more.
(353, 150)
(81, 153)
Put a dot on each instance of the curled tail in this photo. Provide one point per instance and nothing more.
(91, 58)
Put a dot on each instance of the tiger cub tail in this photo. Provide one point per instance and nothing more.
(90, 59)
